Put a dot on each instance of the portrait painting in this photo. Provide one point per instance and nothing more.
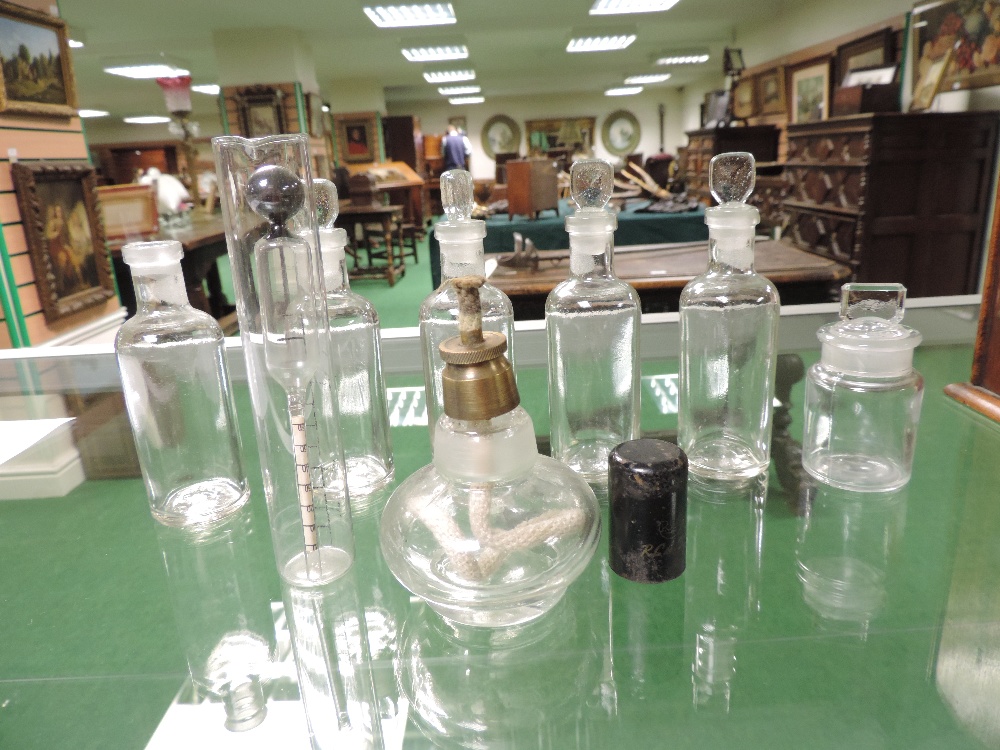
(357, 137)
(34, 55)
(58, 204)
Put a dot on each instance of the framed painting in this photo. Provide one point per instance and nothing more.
(261, 111)
(65, 236)
(744, 100)
(929, 83)
(37, 73)
(771, 92)
(621, 133)
(357, 137)
(128, 211)
(811, 93)
(501, 135)
(972, 27)
(869, 51)
(573, 133)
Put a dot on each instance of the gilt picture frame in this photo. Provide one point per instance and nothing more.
(37, 71)
(65, 236)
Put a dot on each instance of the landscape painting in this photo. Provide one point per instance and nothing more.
(37, 77)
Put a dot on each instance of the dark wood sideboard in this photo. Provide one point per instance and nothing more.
(898, 197)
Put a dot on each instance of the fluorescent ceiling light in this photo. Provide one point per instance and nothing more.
(74, 43)
(623, 91)
(467, 100)
(458, 90)
(423, 14)
(434, 54)
(92, 113)
(600, 43)
(648, 78)
(683, 59)
(615, 7)
(156, 70)
(325, 108)
(447, 76)
(212, 89)
(147, 120)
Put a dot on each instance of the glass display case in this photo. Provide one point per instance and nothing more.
(804, 618)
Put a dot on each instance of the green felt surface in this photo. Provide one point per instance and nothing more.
(90, 658)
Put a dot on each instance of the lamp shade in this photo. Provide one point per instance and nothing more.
(177, 92)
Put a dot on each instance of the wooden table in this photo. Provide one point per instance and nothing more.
(659, 273)
(350, 217)
(204, 241)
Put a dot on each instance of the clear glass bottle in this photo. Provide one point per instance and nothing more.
(461, 239)
(278, 280)
(863, 397)
(491, 533)
(592, 324)
(729, 337)
(356, 360)
(177, 392)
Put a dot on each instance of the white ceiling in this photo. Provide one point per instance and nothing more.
(517, 46)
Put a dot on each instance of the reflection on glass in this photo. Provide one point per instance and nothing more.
(508, 687)
(845, 541)
(333, 659)
(223, 612)
(722, 582)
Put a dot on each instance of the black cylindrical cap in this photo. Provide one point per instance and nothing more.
(647, 489)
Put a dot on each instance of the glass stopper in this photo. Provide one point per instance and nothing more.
(276, 193)
(457, 195)
(327, 203)
(591, 182)
(884, 301)
(731, 176)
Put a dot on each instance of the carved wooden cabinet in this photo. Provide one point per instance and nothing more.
(759, 140)
(532, 186)
(898, 197)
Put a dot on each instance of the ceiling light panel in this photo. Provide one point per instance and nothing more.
(436, 54)
(212, 89)
(683, 59)
(624, 91)
(92, 113)
(147, 120)
(618, 7)
(400, 16)
(157, 70)
(458, 90)
(600, 43)
(648, 78)
(75, 44)
(467, 100)
(449, 76)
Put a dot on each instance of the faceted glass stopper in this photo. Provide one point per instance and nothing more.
(731, 176)
(872, 301)
(457, 195)
(327, 203)
(276, 193)
(591, 182)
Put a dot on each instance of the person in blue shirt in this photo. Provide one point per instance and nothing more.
(456, 148)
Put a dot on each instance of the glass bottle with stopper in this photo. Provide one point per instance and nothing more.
(461, 240)
(863, 397)
(355, 360)
(729, 334)
(277, 277)
(592, 323)
(491, 533)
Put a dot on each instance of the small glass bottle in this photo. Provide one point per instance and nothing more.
(729, 336)
(592, 323)
(180, 406)
(356, 360)
(491, 533)
(461, 239)
(863, 397)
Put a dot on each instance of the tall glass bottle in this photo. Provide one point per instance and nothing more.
(176, 386)
(592, 324)
(355, 359)
(729, 337)
(462, 254)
